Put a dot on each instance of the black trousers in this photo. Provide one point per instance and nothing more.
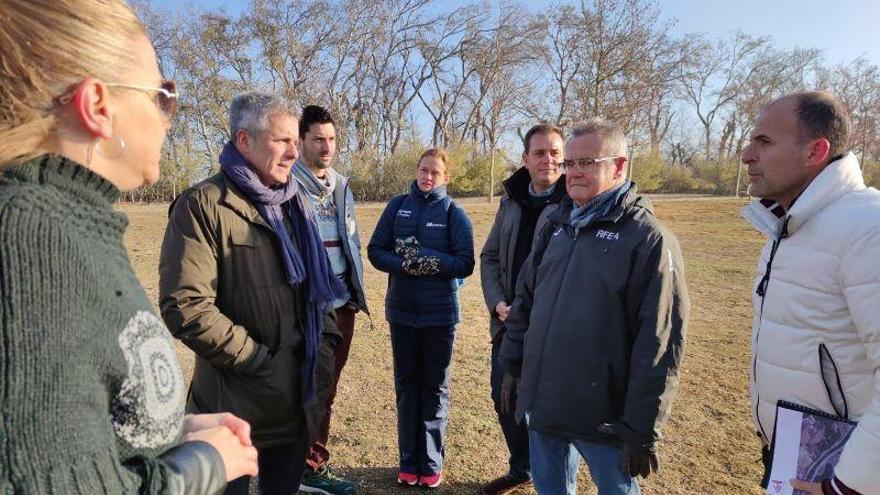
(767, 461)
(516, 435)
(281, 470)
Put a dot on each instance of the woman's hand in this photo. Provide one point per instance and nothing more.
(407, 248)
(239, 427)
(421, 266)
(238, 460)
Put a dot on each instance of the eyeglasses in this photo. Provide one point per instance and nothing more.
(582, 165)
(166, 96)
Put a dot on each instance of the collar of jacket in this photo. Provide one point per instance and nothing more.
(517, 187)
(631, 199)
(839, 178)
(235, 200)
(436, 194)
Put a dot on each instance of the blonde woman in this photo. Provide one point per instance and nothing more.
(425, 243)
(91, 393)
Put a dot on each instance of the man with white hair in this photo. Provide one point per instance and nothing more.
(246, 284)
(603, 300)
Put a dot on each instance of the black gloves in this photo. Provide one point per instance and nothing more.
(639, 456)
(508, 394)
(424, 265)
(407, 248)
(413, 264)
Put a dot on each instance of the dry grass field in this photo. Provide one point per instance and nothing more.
(709, 447)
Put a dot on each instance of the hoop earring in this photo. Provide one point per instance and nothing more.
(90, 153)
(114, 156)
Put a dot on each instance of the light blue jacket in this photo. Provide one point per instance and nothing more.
(351, 244)
(348, 235)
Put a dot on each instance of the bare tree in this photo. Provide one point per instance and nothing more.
(480, 73)
(501, 58)
(561, 61)
(292, 37)
(710, 82)
(858, 85)
(447, 69)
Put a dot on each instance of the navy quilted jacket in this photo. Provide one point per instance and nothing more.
(444, 231)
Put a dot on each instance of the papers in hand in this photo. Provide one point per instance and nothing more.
(806, 445)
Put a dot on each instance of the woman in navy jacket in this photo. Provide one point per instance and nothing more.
(425, 243)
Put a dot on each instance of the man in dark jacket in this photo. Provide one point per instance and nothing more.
(246, 284)
(603, 299)
(533, 193)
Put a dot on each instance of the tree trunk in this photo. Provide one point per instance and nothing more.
(632, 162)
(492, 172)
(739, 171)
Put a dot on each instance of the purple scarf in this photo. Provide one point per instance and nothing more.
(307, 267)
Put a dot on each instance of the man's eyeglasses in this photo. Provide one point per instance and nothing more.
(166, 96)
(583, 165)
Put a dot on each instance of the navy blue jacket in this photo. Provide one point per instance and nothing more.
(444, 231)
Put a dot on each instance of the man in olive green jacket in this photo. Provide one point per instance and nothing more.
(225, 293)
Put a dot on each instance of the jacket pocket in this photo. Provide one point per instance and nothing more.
(577, 407)
(592, 401)
(250, 237)
(832, 382)
(268, 396)
(253, 259)
(207, 391)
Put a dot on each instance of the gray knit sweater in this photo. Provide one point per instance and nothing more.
(91, 391)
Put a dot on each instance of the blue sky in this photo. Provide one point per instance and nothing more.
(844, 29)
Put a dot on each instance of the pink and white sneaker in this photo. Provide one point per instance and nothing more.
(408, 479)
(431, 480)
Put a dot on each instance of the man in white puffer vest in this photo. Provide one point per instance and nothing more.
(816, 331)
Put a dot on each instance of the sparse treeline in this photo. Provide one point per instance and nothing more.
(403, 74)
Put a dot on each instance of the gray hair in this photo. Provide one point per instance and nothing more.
(251, 111)
(614, 141)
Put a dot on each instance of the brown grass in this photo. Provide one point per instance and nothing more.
(709, 447)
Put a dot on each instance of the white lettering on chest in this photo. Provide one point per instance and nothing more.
(608, 235)
(435, 225)
(404, 213)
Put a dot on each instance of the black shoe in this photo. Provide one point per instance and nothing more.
(504, 484)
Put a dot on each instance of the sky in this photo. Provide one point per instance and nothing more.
(844, 29)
